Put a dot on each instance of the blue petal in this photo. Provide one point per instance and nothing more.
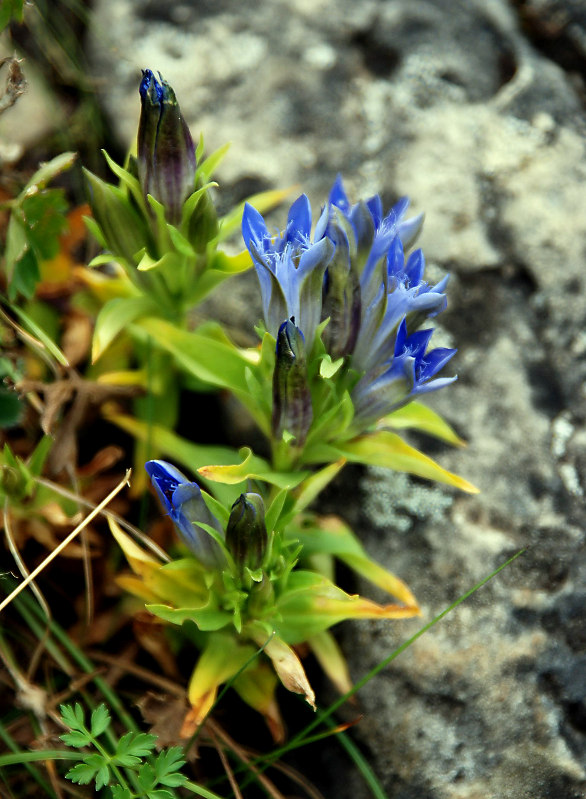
(375, 206)
(253, 227)
(338, 196)
(165, 479)
(415, 267)
(299, 220)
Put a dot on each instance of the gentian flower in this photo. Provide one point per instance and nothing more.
(384, 288)
(290, 267)
(166, 153)
(292, 410)
(405, 375)
(186, 507)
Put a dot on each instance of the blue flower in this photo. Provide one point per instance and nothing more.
(407, 373)
(166, 153)
(290, 267)
(186, 507)
(384, 288)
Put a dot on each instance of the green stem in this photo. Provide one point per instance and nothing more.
(42, 754)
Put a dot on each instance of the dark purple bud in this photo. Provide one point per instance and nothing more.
(341, 296)
(246, 534)
(166, 153)
(292, 409)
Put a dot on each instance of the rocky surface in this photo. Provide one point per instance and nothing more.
(477, 111)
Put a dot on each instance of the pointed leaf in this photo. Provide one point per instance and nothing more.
(100, 720)
(40, 334)
(49, 170)
(114, 317)
(218, 363)
(330, 658)
(329, 535)
(312, 603)
(419, 417)
(206, 169)
(389, 450)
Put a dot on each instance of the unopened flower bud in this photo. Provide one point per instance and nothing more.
(246, 534)
(166, 153)
(292, 410)
(341, 293)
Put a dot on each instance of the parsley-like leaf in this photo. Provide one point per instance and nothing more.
(132, 746)
(167, 766)
(100, 720)
(73, 717)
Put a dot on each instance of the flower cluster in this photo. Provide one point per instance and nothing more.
(355, 276)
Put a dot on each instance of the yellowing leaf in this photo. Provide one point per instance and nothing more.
(387, 449)
(419, 417)
(140, 561)
(330, 658)
(222, 658)
(251, 468)
(312, 604)
(330, 535)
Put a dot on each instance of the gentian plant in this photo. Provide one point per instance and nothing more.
(239, 587)
(341, 366)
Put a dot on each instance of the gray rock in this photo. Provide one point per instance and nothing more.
(462, 106)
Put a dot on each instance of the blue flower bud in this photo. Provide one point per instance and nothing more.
(246, 534)
(186, 507)
(166, 153)
(292, 410)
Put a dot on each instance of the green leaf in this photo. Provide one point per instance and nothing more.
(133, 746)
(21, 265)
(191, 202)
(82, 774)
(168, 764)
(332, 537)
(160, 793)
(49, 170)
(44, 214)
(11, 408)
(76, 739)
(39, 455)
(185, 453)
(419, 417)
(120, 792)
(102, 776)
(128, 180)
(39, 333)
(219, 363)
(114, 316)
(389, 450)
(10, 10)
(211, 163)
(147, 778)
(73, 717)
(100, 720)
(207, 619)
